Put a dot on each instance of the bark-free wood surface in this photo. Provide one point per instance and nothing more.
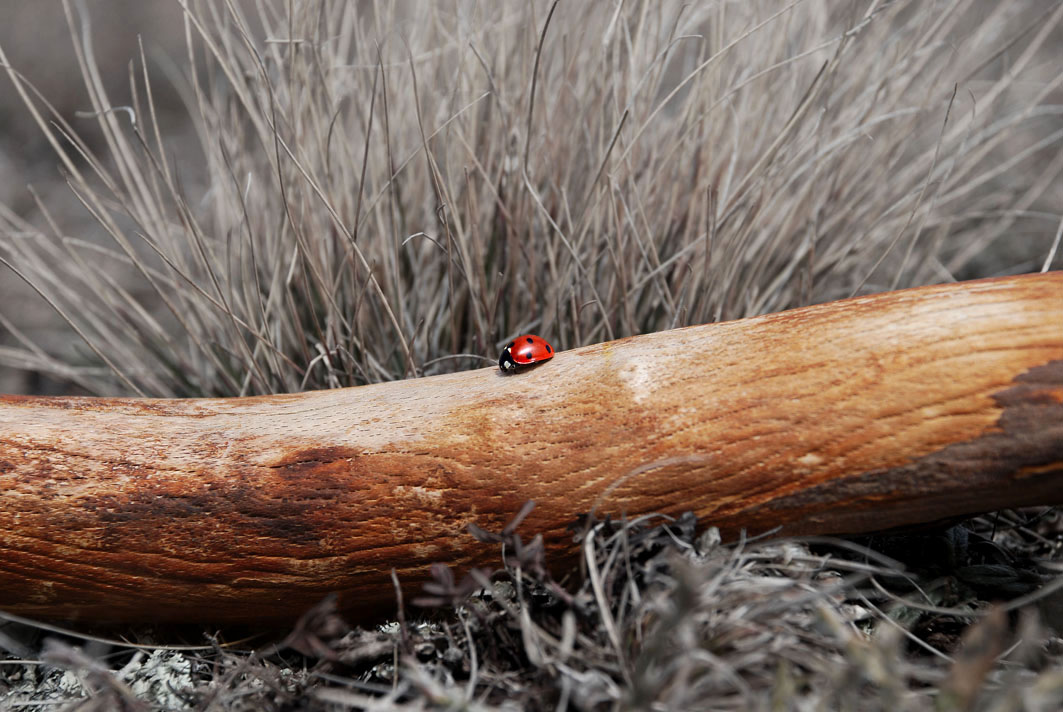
(851, 416)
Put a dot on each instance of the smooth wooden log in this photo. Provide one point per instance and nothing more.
(852, 416)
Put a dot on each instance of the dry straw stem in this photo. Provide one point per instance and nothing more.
(852, 416)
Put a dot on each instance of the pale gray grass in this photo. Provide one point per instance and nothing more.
(396, 191)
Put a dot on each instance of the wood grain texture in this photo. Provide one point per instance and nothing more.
(851, 416)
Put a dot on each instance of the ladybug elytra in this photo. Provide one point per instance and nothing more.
(524, 351)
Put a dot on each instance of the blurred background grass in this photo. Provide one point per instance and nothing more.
(403, 188)
(37, 40)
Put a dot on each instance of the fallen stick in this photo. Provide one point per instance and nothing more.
(857, 415)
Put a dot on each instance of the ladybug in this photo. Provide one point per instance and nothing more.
(524, 351)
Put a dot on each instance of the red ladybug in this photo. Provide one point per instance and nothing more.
(524, 351)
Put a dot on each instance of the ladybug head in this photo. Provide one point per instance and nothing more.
(505, 361)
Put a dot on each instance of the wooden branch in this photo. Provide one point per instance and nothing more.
(852, 416)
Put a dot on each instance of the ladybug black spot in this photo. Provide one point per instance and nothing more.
(548, 349)
(529, 340)
(511, 344)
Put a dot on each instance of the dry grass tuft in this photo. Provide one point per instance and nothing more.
(396, 190)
